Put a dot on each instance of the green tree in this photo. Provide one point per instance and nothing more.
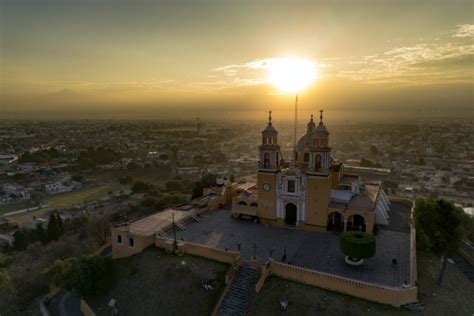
(374, 150)
(41, 234)
(439, 228)
(60, 224)
(174, 185)
(125, 179)
(141, 187)
(78, 178)
(391, 185)
(52, 230)
(174, 198)
(208, 180)
(20, 242)
(88, 275)
(132, 165)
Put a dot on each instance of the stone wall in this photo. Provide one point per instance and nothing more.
(401, 200)
(372, 292)
(265, 272)
(231, 257)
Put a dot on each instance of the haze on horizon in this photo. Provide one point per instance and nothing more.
(164, 59)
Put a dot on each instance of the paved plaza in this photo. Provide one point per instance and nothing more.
(312, 250)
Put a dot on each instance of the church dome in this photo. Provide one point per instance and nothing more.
(303, 143)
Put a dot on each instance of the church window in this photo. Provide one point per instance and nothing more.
(131, 242)
(317, 163)
(119, 239)
(291, 186)
(266, 160)
(242, 203)
(306, 157)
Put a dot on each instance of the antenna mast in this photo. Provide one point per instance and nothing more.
(296, 123)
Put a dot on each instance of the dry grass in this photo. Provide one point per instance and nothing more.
(155, 283)
(455, 296)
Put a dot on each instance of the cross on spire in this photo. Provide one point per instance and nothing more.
(311, 117)
(270, 117)
(321, 116)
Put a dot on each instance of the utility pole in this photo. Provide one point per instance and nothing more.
(174, 235)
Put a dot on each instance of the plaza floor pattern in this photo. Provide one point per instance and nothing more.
(312, 250)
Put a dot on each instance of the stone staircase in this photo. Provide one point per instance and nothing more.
(414, 307)
(161, 233)
(180, 226)
(241, 292)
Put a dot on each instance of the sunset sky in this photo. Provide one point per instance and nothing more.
(180, 59)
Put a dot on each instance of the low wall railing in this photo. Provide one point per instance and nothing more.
(373, 292)
(185, 247)
(467, 251)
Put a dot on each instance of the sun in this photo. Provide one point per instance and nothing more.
(291, 74)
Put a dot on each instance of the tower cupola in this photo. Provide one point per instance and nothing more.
(269, 150)
(321, 135)
(269, 134)
(311, 126)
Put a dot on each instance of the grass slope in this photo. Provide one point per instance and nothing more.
(155, 283)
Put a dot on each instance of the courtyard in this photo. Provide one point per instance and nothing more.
(312, 250)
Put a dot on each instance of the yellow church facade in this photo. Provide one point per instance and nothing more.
(312, 191)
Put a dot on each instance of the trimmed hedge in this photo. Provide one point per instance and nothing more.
(357, 245)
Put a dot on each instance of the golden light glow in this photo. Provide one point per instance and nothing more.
(291, 74)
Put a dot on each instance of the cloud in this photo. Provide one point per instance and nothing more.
(251, 73)
(464, 30)
(417, 64)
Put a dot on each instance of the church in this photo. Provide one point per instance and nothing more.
(312, 191)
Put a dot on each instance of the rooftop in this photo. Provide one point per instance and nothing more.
(348, 179)
(362, 203)
(149, 225)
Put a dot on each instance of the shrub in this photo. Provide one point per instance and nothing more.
(141, 187)
(88, 275)
(357, 245)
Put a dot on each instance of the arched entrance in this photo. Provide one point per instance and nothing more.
(335, 222)
(290, 214)
(356, 222)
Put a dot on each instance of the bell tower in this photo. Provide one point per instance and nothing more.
(319, 150)
(269, 149)
(318, 177)
(268, 168)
